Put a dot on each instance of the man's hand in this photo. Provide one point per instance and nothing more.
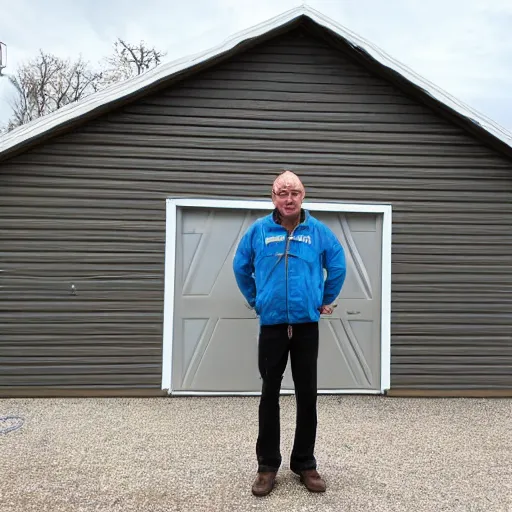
(326, 310)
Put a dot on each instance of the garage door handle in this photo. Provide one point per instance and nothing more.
(353, 312)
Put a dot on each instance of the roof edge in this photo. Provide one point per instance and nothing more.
(435, 92)
(96, 102)
(27, 132)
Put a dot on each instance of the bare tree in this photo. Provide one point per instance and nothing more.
(129, 60)
(47, 83)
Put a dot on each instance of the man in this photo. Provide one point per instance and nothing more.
(279, 268)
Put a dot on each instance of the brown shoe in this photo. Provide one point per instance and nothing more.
(264, 483)
(312, 480)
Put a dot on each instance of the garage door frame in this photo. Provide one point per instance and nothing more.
(172, 205)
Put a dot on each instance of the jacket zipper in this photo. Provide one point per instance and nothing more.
(290, 235)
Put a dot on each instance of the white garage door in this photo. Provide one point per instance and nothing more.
(214, 334)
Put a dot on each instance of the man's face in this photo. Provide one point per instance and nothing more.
(288, 201)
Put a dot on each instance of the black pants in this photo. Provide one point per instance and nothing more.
(274, 347)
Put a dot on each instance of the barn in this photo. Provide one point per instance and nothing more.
(119, 216)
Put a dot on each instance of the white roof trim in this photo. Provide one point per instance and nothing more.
(117, 91)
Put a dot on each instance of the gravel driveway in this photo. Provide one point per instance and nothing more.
(197, 454)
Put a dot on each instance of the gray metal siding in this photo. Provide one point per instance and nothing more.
(88, 209)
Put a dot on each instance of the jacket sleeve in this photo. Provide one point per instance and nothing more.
(243, 268)
(335, 264)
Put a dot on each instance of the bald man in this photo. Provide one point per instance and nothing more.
(279, 267)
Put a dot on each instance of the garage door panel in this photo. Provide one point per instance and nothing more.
(368, 245)
(361, 247)
(366, 333)
(225, 355)
(340, 347)
(197, 349)
(220, 232)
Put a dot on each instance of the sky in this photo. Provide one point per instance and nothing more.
(462, 46)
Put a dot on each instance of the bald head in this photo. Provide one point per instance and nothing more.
(288, 182)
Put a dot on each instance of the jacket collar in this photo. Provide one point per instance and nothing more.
(276, 216)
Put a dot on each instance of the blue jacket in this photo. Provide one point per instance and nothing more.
(282, 277)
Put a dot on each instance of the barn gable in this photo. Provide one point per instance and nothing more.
(82, 215)
(362, 51)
